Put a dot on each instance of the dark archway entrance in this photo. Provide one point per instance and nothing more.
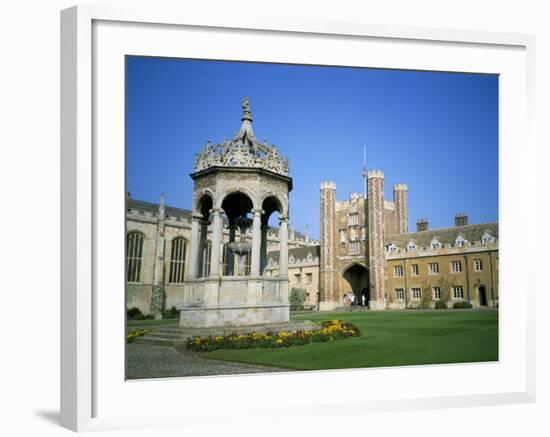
(482, 292)
(357, 277)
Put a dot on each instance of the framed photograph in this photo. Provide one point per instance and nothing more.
(257, 209)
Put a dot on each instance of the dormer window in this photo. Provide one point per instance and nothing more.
(391, 248)
(487, 238)
(411, 247)
(435, 244)
(460, 241)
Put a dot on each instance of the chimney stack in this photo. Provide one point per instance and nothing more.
(421, 225)
(461, 219)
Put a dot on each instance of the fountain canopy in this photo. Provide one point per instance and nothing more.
(241, 182)
(244, 150)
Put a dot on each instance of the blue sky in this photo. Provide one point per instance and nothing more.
(436, 132)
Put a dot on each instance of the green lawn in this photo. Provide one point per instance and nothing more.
(147, 323)
(388, 339)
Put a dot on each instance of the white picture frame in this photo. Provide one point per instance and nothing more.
(84, 370)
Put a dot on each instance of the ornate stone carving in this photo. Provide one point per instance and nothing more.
(244, 150)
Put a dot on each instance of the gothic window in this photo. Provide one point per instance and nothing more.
(353, 219)
(177, 261)
(134, 256)
(458, 292)
(437, 293)
(399, 294)
(354, 248)
(478, 265)
(398, 271)
(456, 266)
(417, 293)
(434, 268)
(353, 234)
(414, 269)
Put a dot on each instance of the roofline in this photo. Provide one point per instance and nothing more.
(442, 229)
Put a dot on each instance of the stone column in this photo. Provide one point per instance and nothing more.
(203, 238)
(263, 249)
(230, 256)
(157, 295)
(216, 242)
(194, 247)
(256, 243)
(283, 251)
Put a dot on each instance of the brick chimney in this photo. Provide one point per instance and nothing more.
(461, 219)
(421, 225)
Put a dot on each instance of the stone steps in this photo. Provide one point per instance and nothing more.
(176, 337)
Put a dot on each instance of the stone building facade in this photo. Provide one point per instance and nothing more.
(452, 264)
(190, 258)
(367, 249)
(388, 265)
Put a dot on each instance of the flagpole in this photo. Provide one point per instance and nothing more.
(365, 170)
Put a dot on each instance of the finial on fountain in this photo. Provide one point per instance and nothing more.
(247, 114)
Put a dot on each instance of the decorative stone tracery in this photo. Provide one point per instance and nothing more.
(243, 151)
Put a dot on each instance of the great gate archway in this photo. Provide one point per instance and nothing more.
(355, 279)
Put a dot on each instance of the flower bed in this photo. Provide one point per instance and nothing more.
(135, 333)
(330, 330)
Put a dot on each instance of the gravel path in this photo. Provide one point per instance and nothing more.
(145, 361)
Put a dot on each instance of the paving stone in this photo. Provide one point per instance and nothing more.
(144, 361)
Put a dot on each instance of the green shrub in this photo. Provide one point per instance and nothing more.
(297, 298)
(440, 305)
(426, 301)
(462, 304)
(171, 313)
(134, 314)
